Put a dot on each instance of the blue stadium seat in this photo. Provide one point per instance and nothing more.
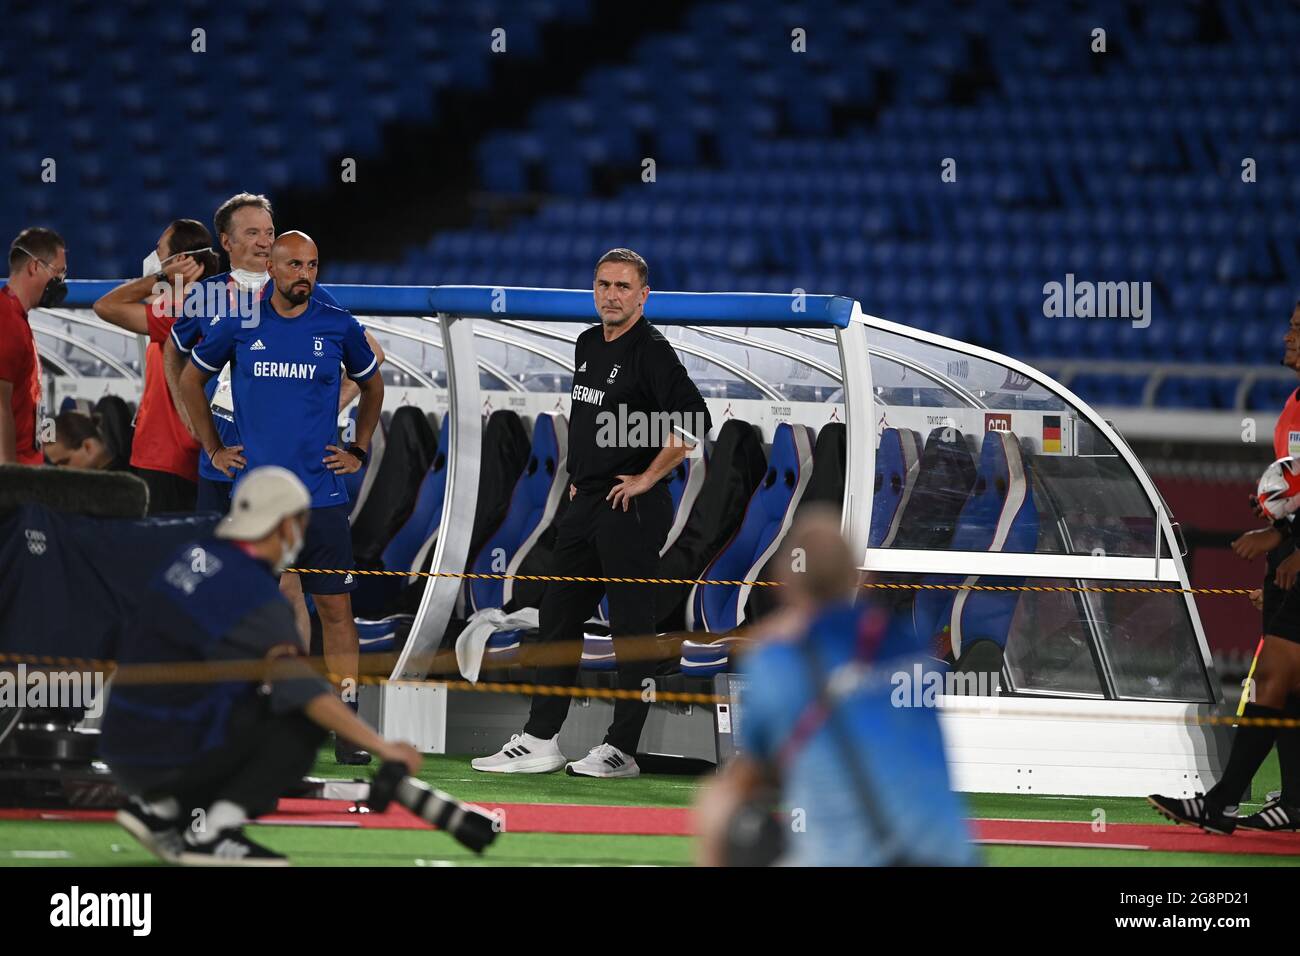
(720, 607)
(897, 466)
(533, 505)
(1001, 515)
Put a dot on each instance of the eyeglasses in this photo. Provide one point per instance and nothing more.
(57, 275)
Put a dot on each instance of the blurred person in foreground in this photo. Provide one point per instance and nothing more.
(861, 772)
(200, 758)
(78, 443)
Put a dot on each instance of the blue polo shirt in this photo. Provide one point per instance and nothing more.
(219, 297)
(285, 377)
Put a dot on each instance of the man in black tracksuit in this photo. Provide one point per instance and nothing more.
(635, 415)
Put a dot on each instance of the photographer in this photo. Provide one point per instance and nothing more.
(861, 779)
(201, 758)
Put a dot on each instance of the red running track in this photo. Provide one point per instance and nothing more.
(665, 821)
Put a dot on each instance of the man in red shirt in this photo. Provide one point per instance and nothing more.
(163, 452)
(38, 264)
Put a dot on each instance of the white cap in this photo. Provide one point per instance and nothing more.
(263, 498)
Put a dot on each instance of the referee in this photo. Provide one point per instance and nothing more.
(1275, 689)
(635, 414)
(285, 379)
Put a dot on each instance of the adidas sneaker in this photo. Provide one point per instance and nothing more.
(1196, 812)
(230, 848)
(605, 760)
(523, 754)
(159, 836)
(1273, 817)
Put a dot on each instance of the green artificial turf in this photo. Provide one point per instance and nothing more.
(30, 843)
(455, 775)
(53, 843)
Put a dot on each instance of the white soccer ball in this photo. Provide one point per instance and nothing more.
(1279, 488)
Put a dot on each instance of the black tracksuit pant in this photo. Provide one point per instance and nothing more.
(595, 540)
(263, 756)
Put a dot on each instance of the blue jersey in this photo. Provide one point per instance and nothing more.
(285, 377)
(210, 601)
(222, 292)
(899, 747)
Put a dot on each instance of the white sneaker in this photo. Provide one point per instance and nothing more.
(604, 761)
(523, 754)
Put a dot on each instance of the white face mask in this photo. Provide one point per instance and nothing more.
(249, 280)
(153, 265)
(289, 552)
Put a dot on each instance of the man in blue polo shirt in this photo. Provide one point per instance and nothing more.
(285, 376)
(245, 229)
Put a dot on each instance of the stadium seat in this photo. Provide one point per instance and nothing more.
(1001, 515)
(897, 467)
(721, 607)
(533, 507)
(359, 483)
(703, 660)
(945, 477)
(736, 465)
(410, 548)
(384, 635)
(408, 453)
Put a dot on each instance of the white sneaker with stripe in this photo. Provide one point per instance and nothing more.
(523, 754)
(605, 760)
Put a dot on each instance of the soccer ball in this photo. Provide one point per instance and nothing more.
(1279, 488)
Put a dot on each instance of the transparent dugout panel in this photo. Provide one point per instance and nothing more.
(945, 483)
(85, 326)
(1077, 643)
(79, 360)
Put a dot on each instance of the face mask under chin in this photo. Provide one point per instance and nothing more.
(289, 552)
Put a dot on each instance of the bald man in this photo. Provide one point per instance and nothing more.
(287, 362)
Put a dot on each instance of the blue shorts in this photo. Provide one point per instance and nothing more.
(328, 544)
(213, 495)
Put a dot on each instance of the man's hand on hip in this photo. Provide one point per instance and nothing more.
(228, 460)
(628, 487)
(341, 462)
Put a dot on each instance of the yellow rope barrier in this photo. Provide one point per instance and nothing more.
(869, 585)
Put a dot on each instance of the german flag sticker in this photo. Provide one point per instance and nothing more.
(1052, 433)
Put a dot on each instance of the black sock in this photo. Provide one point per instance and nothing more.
(1250, 747)
(1288, 754)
